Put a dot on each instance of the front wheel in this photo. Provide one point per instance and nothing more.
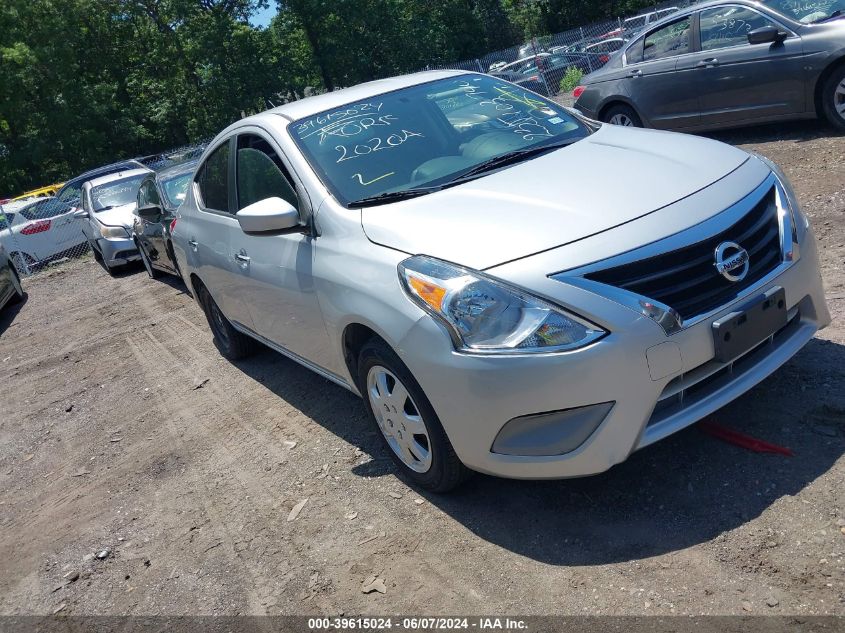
(833, 99)
(406, 420)
(16, 284)
(622, 115)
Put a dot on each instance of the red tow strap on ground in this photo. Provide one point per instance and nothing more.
(740, 439)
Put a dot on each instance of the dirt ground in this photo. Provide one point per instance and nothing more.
(122, 429)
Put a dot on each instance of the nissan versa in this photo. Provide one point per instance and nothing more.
(513, 289)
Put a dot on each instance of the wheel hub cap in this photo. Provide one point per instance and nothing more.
(399, 419)
(839, 99)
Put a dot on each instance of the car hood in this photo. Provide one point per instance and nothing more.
(608, 179)
(119, 216)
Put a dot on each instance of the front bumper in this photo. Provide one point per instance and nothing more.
(117, 252)
(475, 397)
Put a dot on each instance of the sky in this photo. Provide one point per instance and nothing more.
(263, 17)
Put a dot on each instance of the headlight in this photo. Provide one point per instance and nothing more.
(488, 317)
(114, 232)
(799, 220)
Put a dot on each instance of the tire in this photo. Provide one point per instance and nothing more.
(622, 115)
(427, 458)
(16, 282)
(152, 272)
(232, 344)
(22, 262)
(833, 99)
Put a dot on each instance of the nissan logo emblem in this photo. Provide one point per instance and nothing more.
(732, 261)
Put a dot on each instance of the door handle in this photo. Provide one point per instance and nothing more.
(242, 259)
(708, 63)
(635, 73)
(193, 244)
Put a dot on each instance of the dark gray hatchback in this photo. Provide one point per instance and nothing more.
(726, 64)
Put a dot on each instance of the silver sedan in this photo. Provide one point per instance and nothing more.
(513, 289)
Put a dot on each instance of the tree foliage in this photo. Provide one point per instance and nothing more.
(86, 82)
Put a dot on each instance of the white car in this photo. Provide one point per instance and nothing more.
(38, 230)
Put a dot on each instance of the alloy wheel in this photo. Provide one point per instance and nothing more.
(839, 99)
(621, 119)
(399, 419)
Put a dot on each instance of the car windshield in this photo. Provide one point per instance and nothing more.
(808, 11)
(428, 135)
(176, 188)
(115, 193)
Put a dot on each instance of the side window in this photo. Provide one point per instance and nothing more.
(213, 180)
(71, 194)
(261, 173)
(722, 27)
(667, 41)
(634, 54)
(148, 194)
(44, 210)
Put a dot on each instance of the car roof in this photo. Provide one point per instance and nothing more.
(120, 175)
(320, 103)
(173, 171)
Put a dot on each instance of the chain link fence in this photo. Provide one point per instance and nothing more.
(41, 232)
(553, 65)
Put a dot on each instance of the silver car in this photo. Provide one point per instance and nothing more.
(511, 288)
(726, 64)
(108, 203)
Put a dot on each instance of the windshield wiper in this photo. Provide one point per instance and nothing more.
(832, 16)
(392, 196)
(516, 156)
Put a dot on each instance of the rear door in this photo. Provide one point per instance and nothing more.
(212, 231)
(663, 95)
(739, 81)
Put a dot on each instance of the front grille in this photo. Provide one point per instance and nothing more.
(687, 280)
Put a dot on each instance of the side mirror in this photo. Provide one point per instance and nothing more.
(767, 35)
(268, 216)
(150, 213)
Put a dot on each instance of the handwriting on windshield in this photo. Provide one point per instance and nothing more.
(515, 109)
(367, 183)
(375, 144)
(345, 123)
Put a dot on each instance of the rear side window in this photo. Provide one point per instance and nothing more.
(213, 180)
(44, 210)
(261, 173)
(668, 41)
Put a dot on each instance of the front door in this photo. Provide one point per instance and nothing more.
(276, 270)
(740, 81)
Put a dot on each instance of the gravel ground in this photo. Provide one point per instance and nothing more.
(124, 432)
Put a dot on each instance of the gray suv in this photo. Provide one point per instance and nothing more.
(726, 64)
(450, 247)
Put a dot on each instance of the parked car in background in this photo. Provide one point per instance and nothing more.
(71, 192)
(42, 192)
(108, 203)
(39, 230)
(159, 195)
(11, 290)
(631, 26)
(726, 64)
(513, 289)
(542, 73)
